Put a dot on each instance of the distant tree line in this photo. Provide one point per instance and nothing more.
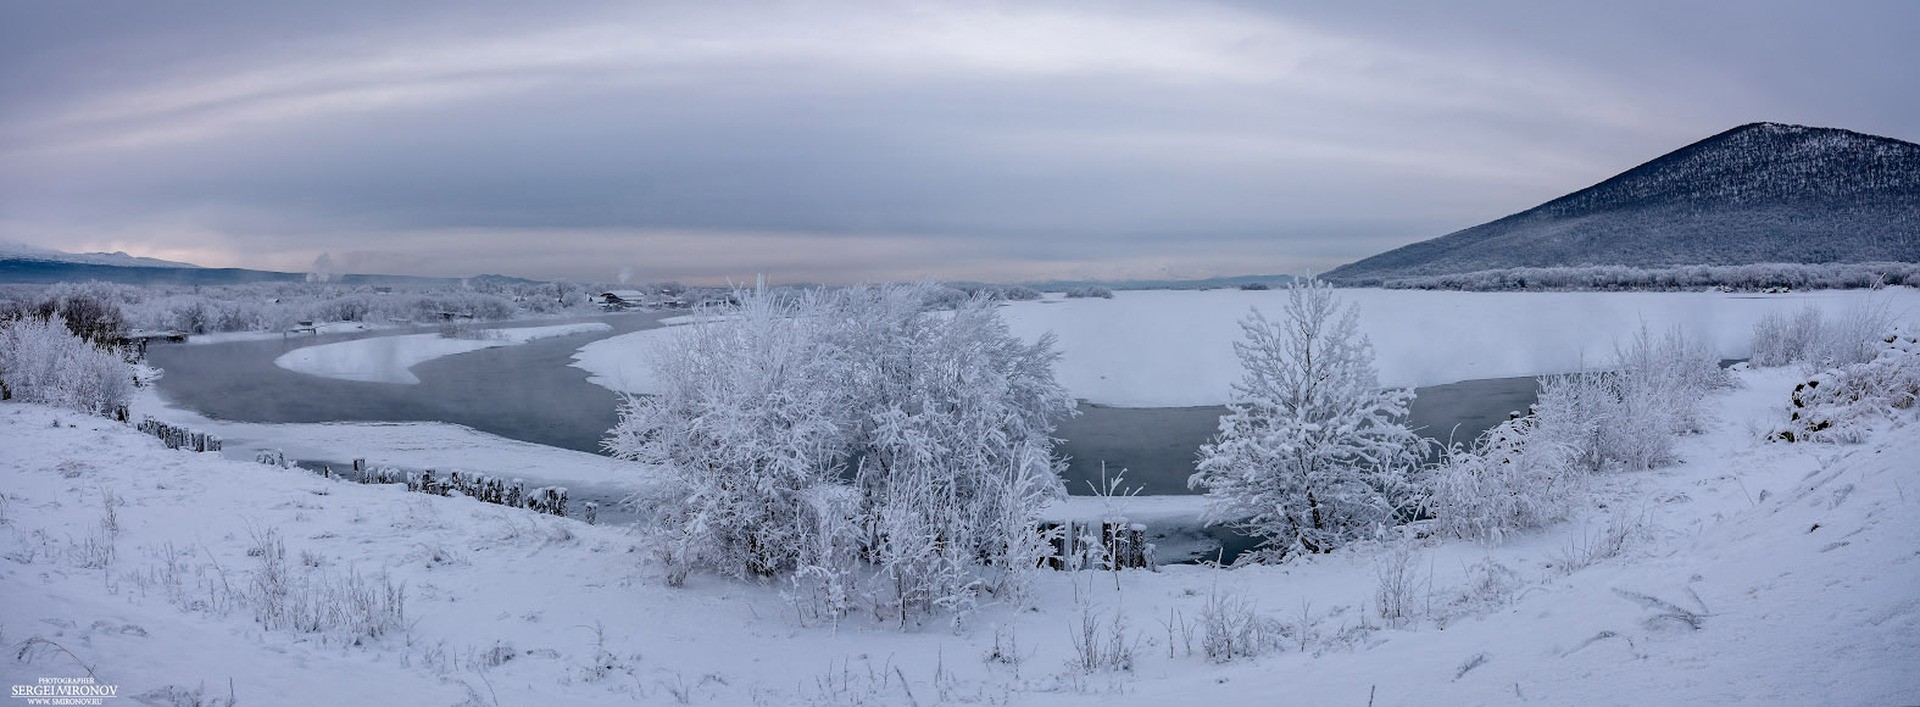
(101, 312)
(1752, 277)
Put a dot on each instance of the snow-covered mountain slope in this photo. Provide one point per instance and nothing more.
(1751, 573)
(21, 251)
(1759, 193)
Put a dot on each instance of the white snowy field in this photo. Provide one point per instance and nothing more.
(390, 359)
(1752, 573)
(1172, 348)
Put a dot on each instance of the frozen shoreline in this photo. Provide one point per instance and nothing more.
(389, 359)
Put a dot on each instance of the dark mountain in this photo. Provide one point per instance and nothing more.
(1759, 193)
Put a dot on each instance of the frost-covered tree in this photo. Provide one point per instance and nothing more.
(868, 449)
(1315, 453)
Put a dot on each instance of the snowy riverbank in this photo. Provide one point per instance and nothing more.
(1752, 572)
(413, 445)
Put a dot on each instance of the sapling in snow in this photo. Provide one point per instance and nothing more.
(1315, 453)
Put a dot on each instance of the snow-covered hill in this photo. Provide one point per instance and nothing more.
(1759, 193)
(21, 251)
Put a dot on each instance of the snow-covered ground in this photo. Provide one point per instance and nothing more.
(1174, 348)
(1751, 573)
(390, 359)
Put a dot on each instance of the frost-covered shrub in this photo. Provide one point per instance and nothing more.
(1315, 454)
(1510, 479)
(346, 607)
(746, 427)
(1841, 404)
(1855, 337)
(1230, 629)
(1780, 338)
(1089, 293)
(1101, 646)
(42, 362)
(950, 296)
(1626, 417)
(1809, 338)
(110, 309)
(816, 433)
(1018, 293)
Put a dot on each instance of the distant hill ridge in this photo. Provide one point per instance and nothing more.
(1759, 193)
(24, 264)
(20, 251)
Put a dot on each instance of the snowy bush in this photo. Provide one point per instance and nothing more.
(1808, 338)
(1398, 595)
(942, 297)
(1780, 339)
(1089, 293)
(1841, 404)
(41, 361)
(1101, 646)
(1626, 417)
(1508, 480)
(346, 607)
(1316, 453)
(1230, 629)
(1590, 546)
(814, 433)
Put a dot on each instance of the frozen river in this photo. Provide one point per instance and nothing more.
(528, 392)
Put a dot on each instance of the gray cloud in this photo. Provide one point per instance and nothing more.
(837, 142)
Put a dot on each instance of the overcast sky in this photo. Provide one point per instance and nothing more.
(836, 142)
